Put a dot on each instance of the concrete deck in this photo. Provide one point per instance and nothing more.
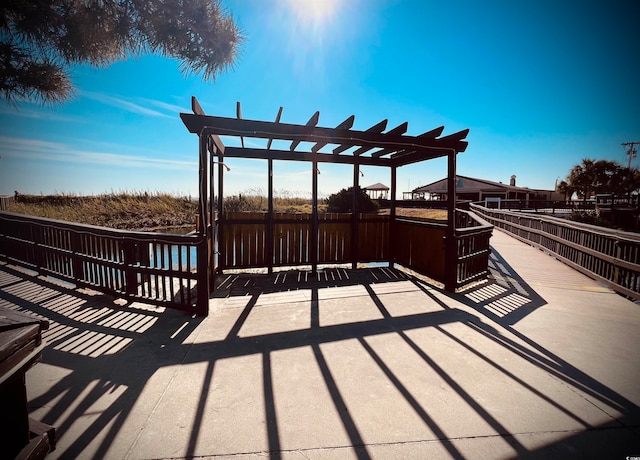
(539, 362)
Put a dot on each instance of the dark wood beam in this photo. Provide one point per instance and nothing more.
(377, 128)
(344, 137)
(314, 215)
(392, 217)
(313, 121)
(347, 124)
(451, 247)
(197, 110)
(400, 129)
(417, 156)
(354, 216)
(276, 122)
(429, 135)
(196, 107)
(270, 212)
(287, 155)
(456, 138)
(239, 117)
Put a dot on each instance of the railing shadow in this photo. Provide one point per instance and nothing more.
(105, 348)
(144, 341)
(505, 296)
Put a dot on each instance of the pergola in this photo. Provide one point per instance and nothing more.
(375, 146)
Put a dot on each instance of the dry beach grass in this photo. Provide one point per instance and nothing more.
(152, 211)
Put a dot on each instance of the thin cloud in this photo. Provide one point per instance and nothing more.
(43, 114)
(173, 108)
(33, 149)
(125, 104)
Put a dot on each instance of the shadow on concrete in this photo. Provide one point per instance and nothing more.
(108, 349)
(504, 297)
(111, 351)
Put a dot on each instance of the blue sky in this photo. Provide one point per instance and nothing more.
(540, 84)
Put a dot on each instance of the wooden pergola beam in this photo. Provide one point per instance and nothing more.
(342, 137)
(377, 128)
(400, 129)
(347, 124)
(429, 134)
(286, 155)
(313, 121)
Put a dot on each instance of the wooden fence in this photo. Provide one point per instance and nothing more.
(174, 270)
(154, 268)
(473, 236)
(417, 244)
(244, 239)
(5, 201)
(606, 255)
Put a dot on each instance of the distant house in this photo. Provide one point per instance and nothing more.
(377, 191)
(472, 189)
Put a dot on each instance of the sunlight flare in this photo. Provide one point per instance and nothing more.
(315, 13)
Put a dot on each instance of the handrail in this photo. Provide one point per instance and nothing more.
(155, 268)
(608, 255)
(420, 247)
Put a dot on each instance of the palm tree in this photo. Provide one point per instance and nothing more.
(563, 187)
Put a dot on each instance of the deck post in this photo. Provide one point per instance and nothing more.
(202, 306)
(354, 216)
(211, 227)
(451, 250)
(392, 217)
(270, 218)
(314, 216)
(220, 207)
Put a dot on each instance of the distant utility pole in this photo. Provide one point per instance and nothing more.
(631, 151)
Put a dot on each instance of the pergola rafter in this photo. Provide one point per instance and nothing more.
(392, 142)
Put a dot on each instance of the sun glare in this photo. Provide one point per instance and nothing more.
(314, 12)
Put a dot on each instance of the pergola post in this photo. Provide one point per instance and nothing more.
(392, 217)
(219, 228)
(354, 216)
(270, 241)
(314, 216)
(202, 255)
(211, 227)
(270, 216)
(451, 248)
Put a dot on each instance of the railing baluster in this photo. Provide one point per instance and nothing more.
(600, 254)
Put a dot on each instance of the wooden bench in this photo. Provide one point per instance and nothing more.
(20, 348)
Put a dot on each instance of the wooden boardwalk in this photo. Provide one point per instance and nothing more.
(538, 362)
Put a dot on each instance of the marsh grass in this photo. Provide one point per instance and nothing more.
(123, 210)
(256, 202)
(154, 211)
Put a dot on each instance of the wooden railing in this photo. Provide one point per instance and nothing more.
(536, 205)
(421, 246)
(5, 201)
(418, 244)
(244, 241)
(155, 268)
(473, 236)
(607, 255)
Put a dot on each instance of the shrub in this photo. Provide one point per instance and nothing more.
(343, 201)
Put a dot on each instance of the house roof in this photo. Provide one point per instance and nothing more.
(466, 184)
(377, 186)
